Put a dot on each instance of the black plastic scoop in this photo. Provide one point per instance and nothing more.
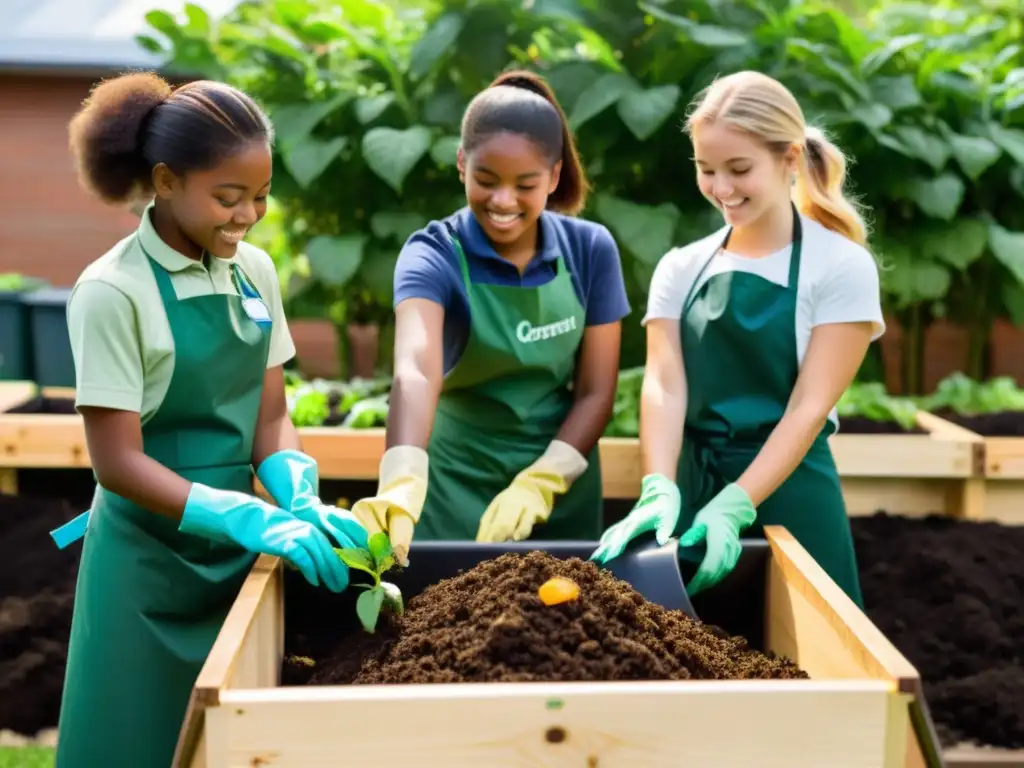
(653, 571)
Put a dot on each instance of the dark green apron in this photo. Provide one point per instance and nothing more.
(150, 600)
(741, 357)
(502, 404)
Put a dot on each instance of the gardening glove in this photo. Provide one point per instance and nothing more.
(656, 510)
(292, 478)
(401, 491)
(719, 522)
(530, 496)
(232, 517)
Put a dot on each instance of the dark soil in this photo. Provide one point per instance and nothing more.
(487, 624)
(858, 425)
(50, 405)
(950, 596)
(1007, 424)
(37, 584)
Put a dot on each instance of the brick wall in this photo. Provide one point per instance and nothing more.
(49, 227)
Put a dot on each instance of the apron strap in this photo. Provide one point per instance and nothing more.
(463, 264)
(794, 259)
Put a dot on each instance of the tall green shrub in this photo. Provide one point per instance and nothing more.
(367, 97)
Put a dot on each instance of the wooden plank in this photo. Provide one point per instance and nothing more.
(786, 724)
(14, 393)
(812, 621)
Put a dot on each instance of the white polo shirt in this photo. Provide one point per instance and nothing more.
(120, 337)
(838, 280)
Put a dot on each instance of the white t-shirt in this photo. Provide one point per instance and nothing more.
(838, 280)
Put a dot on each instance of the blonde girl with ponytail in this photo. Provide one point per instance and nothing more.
(753, 334)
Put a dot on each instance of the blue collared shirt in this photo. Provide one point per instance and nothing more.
(428, 268)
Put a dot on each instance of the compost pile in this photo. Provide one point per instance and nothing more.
(488, 624)
(950, 596)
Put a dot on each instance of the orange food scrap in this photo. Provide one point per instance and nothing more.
(558, 590)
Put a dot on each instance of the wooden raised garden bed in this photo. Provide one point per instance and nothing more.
(860, 704)
(936, 469)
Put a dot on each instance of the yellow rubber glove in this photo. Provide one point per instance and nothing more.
(528, 500)
(401, 491)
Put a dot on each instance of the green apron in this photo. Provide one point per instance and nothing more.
(150, 600)
(740, 352)
(502, 403)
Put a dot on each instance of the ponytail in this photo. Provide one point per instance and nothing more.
(130, 124)
(523, 103)
(819, 191)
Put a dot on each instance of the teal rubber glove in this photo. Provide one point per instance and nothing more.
(292, 478)
(232, 517)
(656, 510)
(719, 524)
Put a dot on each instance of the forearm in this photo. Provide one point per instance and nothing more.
(785, 448)
(662, 418)
(136, 477)
(411, 405)
(586, 421)
(272, 435)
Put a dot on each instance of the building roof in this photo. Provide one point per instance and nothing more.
(84, 34)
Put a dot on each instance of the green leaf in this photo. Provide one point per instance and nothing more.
(397, 225)
(605, 91)
(645, 230)
(392, 153)
(445, 151)
(335, 259)
(939, 197)
(644, 111)
(875, 60)
(959, 244)
(308, 158)
(1008, 248)
(875, 116)
(974, 154)
(438, 39)
(368, 607)
(369, 108)
(1010, 139)
(896, 92)
(356, 558)
(380, 547)
(916, 281)
(393, 597)
(294, 122)
(931, 148)
(707, 35)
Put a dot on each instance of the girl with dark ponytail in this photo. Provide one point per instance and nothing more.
(179, 339)
(508, 318)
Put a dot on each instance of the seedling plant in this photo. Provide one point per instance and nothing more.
(375, 560)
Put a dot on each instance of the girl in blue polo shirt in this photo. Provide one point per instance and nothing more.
(507, 341)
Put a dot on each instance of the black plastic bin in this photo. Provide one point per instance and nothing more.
(51, 343)
(15, 338)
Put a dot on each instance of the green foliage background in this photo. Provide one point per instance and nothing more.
(367, 95)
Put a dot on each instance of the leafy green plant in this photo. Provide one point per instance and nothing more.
(870, 400)
(967, 397)
(927, 99)
(375, 560)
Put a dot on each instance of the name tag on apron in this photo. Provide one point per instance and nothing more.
(257, 311)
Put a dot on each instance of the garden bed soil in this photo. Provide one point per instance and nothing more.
(488, 624)
(859, 425)
(37, 585)
(46, 405)
(1006, 424)
(949, 595)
